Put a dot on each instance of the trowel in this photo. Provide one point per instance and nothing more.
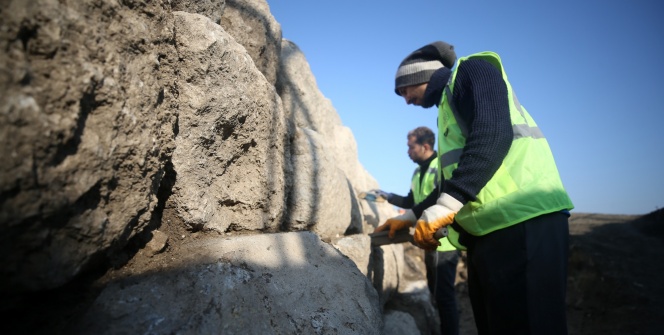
(372, 196)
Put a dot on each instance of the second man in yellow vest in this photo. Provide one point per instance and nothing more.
(441, 263)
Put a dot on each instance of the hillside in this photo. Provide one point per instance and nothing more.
(615, 267)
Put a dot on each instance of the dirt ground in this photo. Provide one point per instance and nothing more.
(614, 283)
(615, 268)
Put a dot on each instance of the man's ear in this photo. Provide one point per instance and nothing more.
(427, 147)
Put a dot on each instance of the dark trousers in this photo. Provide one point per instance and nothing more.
(517, 277)
(441, 273)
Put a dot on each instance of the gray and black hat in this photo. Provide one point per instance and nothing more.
(418, 67)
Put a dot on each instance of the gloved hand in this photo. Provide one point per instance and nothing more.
(403, 221)
(383, 194)
(435, 217)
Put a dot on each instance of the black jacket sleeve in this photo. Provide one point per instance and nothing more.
(404, 202)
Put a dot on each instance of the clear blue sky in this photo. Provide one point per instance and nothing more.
(590, 72)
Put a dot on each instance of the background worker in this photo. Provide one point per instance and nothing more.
(441, 263)
(502, 192)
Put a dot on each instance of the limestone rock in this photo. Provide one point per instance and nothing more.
(387, 270)
(399, 323)
(415, 299)
(230, 153)
(253, 26)
(356, 247)
(306, 107)
(376, 213)
(157, 243)
(321, 199)
(288, 283)
(113, 113)
(85, 133)
(212, 9)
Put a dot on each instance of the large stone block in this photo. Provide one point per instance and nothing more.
(287, 283)
(321, 198)
(253, 26)
(85, 133)
(230, 150)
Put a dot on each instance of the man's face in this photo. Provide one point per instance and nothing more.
(416, 152)
(413, 94)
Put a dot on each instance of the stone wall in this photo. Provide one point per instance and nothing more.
(114, 113)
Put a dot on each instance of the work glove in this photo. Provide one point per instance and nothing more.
(383, 194)
(403, 221)
(435, 217)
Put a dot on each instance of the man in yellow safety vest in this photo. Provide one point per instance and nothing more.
(502, 194)
(441, 263)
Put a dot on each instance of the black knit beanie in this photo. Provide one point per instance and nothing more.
(418, 67)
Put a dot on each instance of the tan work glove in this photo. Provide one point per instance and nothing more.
(403, 221)
(435, 217)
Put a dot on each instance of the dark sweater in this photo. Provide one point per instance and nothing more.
(409, 201)
(480, 95)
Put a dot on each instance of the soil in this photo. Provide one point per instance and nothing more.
(613, 284)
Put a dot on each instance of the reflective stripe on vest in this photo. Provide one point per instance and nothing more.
(527, 183)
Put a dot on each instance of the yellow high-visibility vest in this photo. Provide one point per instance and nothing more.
(421, 189)
(526, 184)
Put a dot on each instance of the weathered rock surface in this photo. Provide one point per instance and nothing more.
(230, 151)
(253, 26)
(287, 283)
(397, 323)
(306, 107)
(86, 132)
(212, 9)
(115, 114)
(414, 299)
(321, 199)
